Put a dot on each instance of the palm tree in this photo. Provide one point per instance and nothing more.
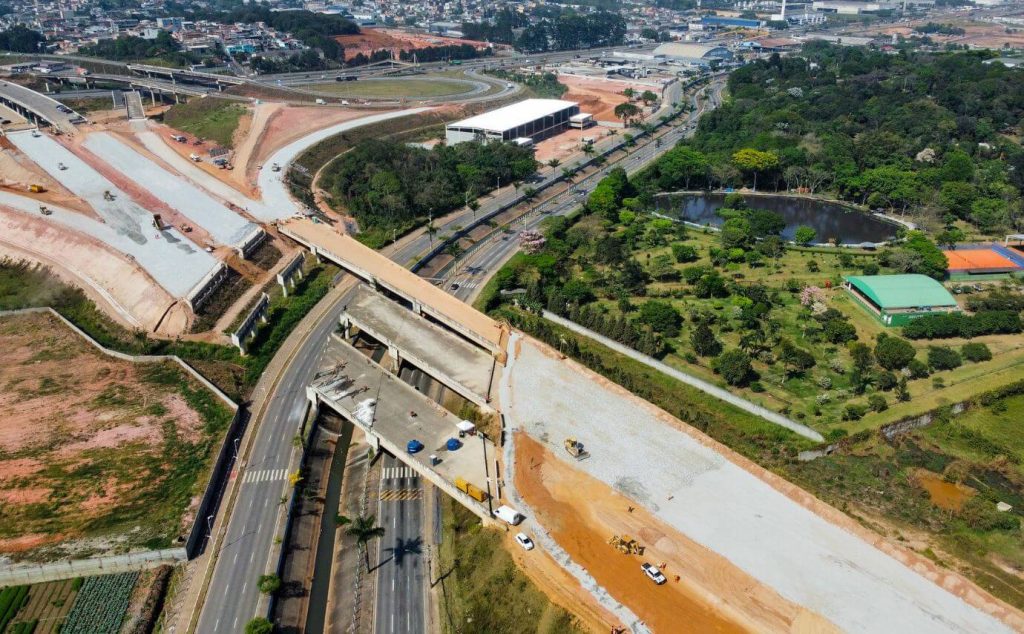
(364, 529)
(553, 164)
(568, 175)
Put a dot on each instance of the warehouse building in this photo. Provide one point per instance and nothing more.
(897, 299)
(693, 54)
(532, 119)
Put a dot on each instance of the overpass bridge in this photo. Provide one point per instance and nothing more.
(189, 76)
(390, 412)
(382, 274)
(39, 108)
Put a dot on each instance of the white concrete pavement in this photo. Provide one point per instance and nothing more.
(277, 201)
(174, 261)
(224, 225)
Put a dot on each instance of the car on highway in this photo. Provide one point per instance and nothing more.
(414, 446)
(524, 540)
(653, 573)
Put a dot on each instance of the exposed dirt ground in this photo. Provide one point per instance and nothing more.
(17, 173)
(395, 40)
(89, 443)
(116, 285)
(978, 34)
(599, 96)
(710, 594)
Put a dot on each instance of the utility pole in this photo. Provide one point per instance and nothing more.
(487, 471)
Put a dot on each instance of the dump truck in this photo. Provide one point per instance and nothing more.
(474, 492)
(575, 449)
(626, 545)
(36, 189)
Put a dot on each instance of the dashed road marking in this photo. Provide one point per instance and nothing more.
(265, 475)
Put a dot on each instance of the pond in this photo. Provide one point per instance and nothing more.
(829, 219)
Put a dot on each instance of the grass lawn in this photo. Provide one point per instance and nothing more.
(481, 588)
(209, 118)
(396, 88)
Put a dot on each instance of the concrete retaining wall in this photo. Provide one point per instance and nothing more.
(205, 288)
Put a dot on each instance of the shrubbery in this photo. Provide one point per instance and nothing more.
(990, 322)
(976, 352)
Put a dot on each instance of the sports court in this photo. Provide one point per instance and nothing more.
(983, 259)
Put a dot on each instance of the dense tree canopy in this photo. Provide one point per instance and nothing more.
(388, 184)
(21, 40)
(922, 132)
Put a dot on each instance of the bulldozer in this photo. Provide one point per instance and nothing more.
(626, 545)
(575, 448)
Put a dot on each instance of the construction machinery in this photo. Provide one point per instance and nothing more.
(158, 222)
(575, 449)
(46, 211)
(107, 195)
(36, 189)
(626, 545)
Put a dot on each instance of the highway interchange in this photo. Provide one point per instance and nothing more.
(252, 526)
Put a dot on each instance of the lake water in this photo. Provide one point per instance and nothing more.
(830, 220)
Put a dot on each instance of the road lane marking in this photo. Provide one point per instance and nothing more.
(264, 475)
(400, 495)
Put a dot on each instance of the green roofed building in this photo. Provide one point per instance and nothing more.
(897, 299)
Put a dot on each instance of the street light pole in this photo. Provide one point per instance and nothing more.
(487, 471)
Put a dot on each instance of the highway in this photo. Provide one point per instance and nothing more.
(233, 596)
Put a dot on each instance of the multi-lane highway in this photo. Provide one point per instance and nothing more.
(251, 530)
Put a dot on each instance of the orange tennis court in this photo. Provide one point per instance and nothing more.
(979, 261)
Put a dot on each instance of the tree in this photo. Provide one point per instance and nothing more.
(795, 360)
(755, 161)
(684, 252)
(364, 529)
(734, 366)
(943, 358)
(21, 40)
(736, 233)
(893, 353)
(269, 584)
(990, 214)
(949, 237)
(704, 342)
(662, 317)
(553, 164)
(648, 97)
(627, 112)
(804, 235)
(976, 352)
(259, 625)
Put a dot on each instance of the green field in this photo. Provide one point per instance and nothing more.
(209, 118)
(421, 88)
(481, 588)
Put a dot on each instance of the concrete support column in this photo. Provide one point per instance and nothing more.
(395, 355)
(417, 308)
(374, 441)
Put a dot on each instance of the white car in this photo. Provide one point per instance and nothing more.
(524, 540)
(653, 573)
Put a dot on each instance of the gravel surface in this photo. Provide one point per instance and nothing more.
(724, 507)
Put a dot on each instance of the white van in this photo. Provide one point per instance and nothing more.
(508, 515)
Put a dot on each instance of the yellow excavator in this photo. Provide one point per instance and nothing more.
(626, 545)
(575, 449)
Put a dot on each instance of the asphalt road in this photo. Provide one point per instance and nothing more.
(251, 529)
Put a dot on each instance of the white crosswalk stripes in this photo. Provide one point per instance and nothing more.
(394, 473)
(265, 475)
